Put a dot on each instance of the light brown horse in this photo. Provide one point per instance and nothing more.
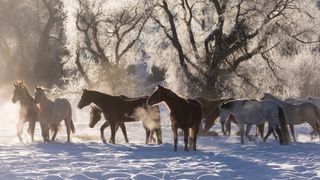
(116, 110)
(185, 114)
(28, 109)
(52, 113)
(298, 114)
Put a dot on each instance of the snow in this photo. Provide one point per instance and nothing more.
(87, 158)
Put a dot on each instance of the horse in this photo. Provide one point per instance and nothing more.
(315, 101)
(210, 113)
(52, 113)
(29, 111)
(95, 116)
(299, 113)
(249, 112)
(185, 114)
(116, 110)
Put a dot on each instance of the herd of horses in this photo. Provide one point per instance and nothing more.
(190, 115)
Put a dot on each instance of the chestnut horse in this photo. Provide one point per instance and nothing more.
(116, 110)
(185, 114)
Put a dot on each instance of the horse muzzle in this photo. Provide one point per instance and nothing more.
(14, 100)
(80, 106)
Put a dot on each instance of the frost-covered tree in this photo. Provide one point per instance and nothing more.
(108, 39)
(204, 43)
(31, 41)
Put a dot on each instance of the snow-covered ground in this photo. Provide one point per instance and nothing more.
(87, 158)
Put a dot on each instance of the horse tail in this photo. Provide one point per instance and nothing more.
(284, 127)
(318, 115)
(72, 127)
(68, 104)
(317, 110)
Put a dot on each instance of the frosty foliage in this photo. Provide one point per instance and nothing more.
(279, 60)
(106, 34)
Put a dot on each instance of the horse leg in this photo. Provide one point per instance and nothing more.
(104, 125)
(148, 132)
(175, 136)
(152, 134)
(159, 136)
(124, 132)
(31, 128)
(227, 130)
(19, 127)
(194, 135)
(44, 132)
(186, 138)
(292, 132)
(241, 126)
(270, 130)
(113, 133)
(278, 131)
(248, 128)
(117, 127)
(55, 131)
(67, 122)
(315, 128)
(275, 135)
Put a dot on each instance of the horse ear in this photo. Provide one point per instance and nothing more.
(159, 86)
(84, 90)
(15, 84)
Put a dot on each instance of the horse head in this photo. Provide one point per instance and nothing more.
(225, 112)
(266, 96)
(18, 91)
(84, 100)
(39, 94)
(95, 116)
(157, 96)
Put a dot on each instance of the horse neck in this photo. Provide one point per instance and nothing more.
(173, 102)
(27, 99)
(99, 99)
(44, 101)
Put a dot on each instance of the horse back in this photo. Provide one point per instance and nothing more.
(62, 106)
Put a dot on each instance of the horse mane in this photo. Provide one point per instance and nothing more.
(227, 104)
(172, 94)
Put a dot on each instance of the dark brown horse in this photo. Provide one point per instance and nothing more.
(185, 114)
(95, 116)
(29, 111)
(116, 110)
(210, 113)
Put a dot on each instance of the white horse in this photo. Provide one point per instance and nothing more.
(52, 113)
(303, 111)
(248, 112)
